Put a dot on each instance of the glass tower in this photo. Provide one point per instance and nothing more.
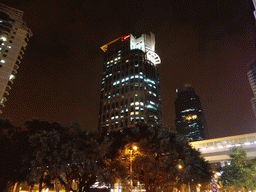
(252, 73)
(14, 35)
(130, 83)
(189, 120)
(252, 79)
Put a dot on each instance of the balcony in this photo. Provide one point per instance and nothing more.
(3, 28)
(8, 88)
(14, 72)
(16, 66)
(18, 62)
(21, 52)
(10, 82)
(6, 94)
(19, 57)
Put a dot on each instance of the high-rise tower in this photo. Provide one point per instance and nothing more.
(252, 73)
(189, 120)
(130, 83)
(252, 79)
(14, 35)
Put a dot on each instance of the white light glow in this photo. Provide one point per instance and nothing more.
(11, 77)
(3, 38)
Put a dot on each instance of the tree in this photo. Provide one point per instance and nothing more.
(70, 155)
(13, 144)
(158, 161)
(83, 153)
(238, 175)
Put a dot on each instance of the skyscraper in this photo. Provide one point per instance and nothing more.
(14, 35)
(189, 119)
(252, 80)
(130, 83)
(252, 73)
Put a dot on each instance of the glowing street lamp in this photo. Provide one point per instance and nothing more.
(131, 150)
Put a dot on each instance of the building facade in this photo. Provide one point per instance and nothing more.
(14, 35)
(252, 80)
(189, 118)
(130, 83)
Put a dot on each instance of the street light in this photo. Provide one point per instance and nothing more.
(131, 150)
(198, 187)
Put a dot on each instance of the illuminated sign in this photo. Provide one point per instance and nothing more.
(125, 37)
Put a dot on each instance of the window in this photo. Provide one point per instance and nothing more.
(132, 120)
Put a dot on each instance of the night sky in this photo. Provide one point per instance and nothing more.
(206, 43)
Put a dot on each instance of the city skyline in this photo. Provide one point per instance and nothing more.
(204, 44)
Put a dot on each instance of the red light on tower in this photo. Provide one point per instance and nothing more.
(125, 37)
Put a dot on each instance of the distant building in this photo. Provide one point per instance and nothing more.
(14, 35)
(130, 83)
(189, 120)
(252, 80)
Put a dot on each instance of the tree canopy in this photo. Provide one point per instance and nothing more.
(239, 174)
(55, 156)
(157, 162)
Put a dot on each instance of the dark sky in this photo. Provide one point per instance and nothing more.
(206, 43)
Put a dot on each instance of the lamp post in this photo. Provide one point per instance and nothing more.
(131, 150)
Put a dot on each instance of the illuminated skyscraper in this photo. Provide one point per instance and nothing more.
(252, 73)
(189, 120)
(14, 35)
(252, 79)
(130, 83)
